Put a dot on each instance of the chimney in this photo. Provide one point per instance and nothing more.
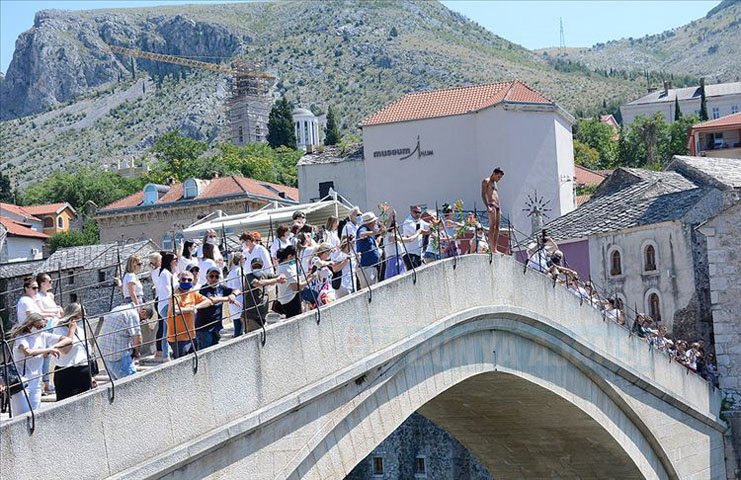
(667, 87)
(651, 89)
(702, 82)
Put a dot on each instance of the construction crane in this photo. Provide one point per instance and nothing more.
(249, 100)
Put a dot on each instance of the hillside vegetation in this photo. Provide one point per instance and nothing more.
(709, 46)
(356, 56)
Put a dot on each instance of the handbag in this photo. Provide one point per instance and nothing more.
(277, 307)
(14, 381)
(92, 362)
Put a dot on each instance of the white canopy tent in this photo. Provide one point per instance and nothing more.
(267, 219)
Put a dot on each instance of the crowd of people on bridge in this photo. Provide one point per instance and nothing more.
(201, 285)
(544, 255)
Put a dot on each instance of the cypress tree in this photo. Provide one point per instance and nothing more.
(280, 125)
(677, 111)
(332, 131)
(703, 105)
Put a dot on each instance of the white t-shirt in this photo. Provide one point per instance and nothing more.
(262, 253)
(392, 249)
(77, 355)
(306, 255)
(409, 228)
(30, 367)
(347, 271)
(232, 278)
(331, 238)
(132, 278)
(163, 287)
(350, 229)
(286, 294)
(278, 243)
(203, 265)
(25, 306)
(184, 263)
(46, 301)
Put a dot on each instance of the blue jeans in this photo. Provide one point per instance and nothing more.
(162, 335)
(238, 327)
(181, 348)
(207, 338)
(123, 367)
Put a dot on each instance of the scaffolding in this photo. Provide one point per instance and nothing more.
(248, 105)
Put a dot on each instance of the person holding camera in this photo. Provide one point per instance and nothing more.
(411, 229)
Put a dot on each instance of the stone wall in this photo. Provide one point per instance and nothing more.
(444, 456)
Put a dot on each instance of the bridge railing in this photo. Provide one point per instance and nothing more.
(588, 292)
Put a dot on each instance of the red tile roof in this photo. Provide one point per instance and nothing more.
(454, 101)
(729, 121)
(17, 210)
(582, 199)
(585, 176)
(48, 209)
(20, 230)
(214, 188)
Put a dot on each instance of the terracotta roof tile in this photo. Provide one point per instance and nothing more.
(17, 210)
(19, 230)
(585, 176)
(454, 101)
(214, 188)
(47, 209)
(730, 121)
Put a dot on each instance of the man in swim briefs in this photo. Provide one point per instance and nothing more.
(490, 196)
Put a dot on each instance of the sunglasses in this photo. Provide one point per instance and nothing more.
(34, 288)
(213, 275)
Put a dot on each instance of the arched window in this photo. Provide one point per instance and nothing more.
(60, 222)
(150, 194)
(616, 266)
(649, 258)
(654, 307)
(48, 222)
(191, 188)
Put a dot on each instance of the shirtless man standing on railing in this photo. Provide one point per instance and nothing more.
(490, 196)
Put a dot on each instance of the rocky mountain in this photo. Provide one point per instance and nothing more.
(708, 47)
(67, 99)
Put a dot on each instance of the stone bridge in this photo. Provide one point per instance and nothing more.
(530, 381)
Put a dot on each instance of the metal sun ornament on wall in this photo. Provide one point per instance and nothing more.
(537, 208)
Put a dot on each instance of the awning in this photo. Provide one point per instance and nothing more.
(266, 219)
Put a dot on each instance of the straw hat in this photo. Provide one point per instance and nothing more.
(369, 217)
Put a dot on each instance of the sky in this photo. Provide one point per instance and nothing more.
(532, 24)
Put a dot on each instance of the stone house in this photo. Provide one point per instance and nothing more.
(636, 239)
(79, 274)
(160, 212)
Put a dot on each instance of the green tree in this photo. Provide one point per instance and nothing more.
(280, 124)
(332, 131)
(89, 235)
(599, 136)
(703, 104)
(178, 157)
(679, 132)
(285, 164)
(78, 186)
(677, 110)
(646, 143)
(585, 155)
(6, 190)
(256, 160)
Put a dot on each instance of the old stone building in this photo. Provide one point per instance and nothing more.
(420, 449)
(79, 274)
(160, 212)
(637, 240)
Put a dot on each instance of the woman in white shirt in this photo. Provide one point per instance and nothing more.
(72, 373)
(30, 345)
(205, 262)
(345, 264)
(187, 257)
(163, 282)
(48, 309)
(133, 292)
(330, 231)
(282, 240)
(27, 303)
(234, 281)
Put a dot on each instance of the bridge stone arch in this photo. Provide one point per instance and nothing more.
(319, 397)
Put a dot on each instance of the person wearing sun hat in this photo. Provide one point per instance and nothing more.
(367, 247)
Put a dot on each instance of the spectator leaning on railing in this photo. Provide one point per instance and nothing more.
(120, 338)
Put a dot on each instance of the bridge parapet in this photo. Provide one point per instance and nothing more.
(163, 419)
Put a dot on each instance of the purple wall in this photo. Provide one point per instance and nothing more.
(577, 256)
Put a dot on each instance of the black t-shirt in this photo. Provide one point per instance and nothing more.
(210, 317)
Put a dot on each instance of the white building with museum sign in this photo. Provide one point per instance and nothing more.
(436, 146)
